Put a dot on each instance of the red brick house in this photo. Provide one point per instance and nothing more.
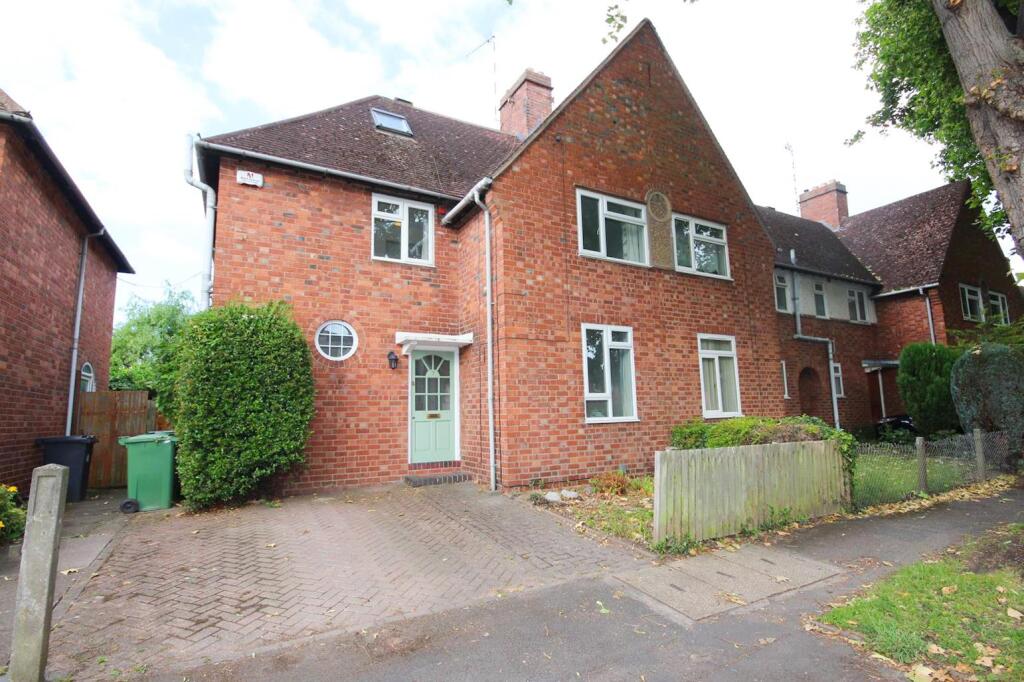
(874, 282)
(49, 232)
(537, 303)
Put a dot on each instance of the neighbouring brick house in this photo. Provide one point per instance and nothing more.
(44, 223)
(909, 271)
(604, 252)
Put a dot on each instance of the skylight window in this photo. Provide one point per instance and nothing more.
(394, 123)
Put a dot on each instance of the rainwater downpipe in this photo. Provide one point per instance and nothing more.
(211, 222)
(928, 309)
(477, 191)
(77, 333)
(814, 339)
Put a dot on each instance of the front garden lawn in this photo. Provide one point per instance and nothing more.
(960, 613)
(880, 479)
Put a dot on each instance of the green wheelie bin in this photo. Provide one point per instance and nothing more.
(150, 471)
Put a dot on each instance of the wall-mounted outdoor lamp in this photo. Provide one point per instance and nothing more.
(392, 360)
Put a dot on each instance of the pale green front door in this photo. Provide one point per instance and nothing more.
(433, 406)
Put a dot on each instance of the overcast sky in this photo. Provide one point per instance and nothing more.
(116, 84)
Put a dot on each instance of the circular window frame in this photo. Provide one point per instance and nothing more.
(351, 329)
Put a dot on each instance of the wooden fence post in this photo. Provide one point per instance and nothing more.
(922, 467)
(979, 454)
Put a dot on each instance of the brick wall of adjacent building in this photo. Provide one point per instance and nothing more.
(38, 282)
(903, 319)
(631, 130)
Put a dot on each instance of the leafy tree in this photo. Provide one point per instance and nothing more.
(243, 402)
(141, 348)
(923, 380)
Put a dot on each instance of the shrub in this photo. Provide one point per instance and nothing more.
(243, 402)
(758, 430)
(614, 482)
(923, 380)
(12, 515)
(987, 385)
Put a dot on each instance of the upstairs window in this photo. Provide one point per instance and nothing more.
(781, 293)
(610, 392)
(970, 303)
(700, 247)
(998, 308)
(393, 123)
(719, 378)
(611, 228)
(858, 305)
(403, 230)
(820, 300)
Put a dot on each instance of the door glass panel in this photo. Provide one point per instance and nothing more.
(421, 403)
(431, 402)
(387, 238)
(595, 361)
(421, 385)
(419, 234)
(446, 385)
(446, 402)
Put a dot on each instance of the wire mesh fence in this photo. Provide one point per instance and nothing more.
(892, 472)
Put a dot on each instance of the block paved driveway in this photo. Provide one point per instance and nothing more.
(177, 590)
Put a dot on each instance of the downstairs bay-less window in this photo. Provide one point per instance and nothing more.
(611, 228)
(701, 246)
(719, 376)
(403, 230)
(837, 380)
(608, 373)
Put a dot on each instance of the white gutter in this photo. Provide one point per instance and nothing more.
(815, 339)
(77, 333)
(211, 224)
(908, 290)
(928, 309)
(320, 169)
(477, 191)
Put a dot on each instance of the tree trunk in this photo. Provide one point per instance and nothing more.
(990, 63)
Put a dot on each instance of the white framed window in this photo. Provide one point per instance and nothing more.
(87, 379)
(719, 376)
(395, 123)
(820, 300)
(837, 380)
(336, 340)
(781, 292)
(970, 303)
(609, 386)
(700, 246)
(403, 230)
(998, 308)
(610, 228)
(857, 302)
(785, 381)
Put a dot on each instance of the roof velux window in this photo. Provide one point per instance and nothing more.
(394, 123)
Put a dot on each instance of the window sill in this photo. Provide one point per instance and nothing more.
(597, 256)
(698, 273)
(611, 420)
(721, 415)
(396, 261)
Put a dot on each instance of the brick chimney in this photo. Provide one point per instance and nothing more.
(825, 203)
(526, 104)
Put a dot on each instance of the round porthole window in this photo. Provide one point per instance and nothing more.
(336, 340)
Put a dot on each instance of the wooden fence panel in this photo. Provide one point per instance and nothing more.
(716, 492)
(109, 415)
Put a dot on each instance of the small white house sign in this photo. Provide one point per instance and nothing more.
(245, 177)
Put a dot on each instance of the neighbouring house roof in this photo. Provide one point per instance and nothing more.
(817, 247)
(905, 243)
(443, 156)
(22, 122)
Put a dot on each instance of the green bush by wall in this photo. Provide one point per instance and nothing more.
(243, 400)
(759, 430)
(987, 384)
(923, 380)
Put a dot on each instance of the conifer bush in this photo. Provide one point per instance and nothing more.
(923, 380)
(987, 384)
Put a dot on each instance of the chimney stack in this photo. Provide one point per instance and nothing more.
(526, 104)
(825, 203)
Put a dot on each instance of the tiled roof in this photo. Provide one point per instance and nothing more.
(904, 243)
(9, 105)
(444, 155)
(817, 247)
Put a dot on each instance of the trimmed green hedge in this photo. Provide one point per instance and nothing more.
(243, 401)
(923, 380)
(759, 430)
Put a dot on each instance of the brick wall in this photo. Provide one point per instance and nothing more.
(38, 282)
(633, 129)
(903, 319)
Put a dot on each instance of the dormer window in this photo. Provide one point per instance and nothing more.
(393, 123)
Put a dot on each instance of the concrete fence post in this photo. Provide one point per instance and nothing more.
(979, 453)
(38, 573)
(922, 467)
